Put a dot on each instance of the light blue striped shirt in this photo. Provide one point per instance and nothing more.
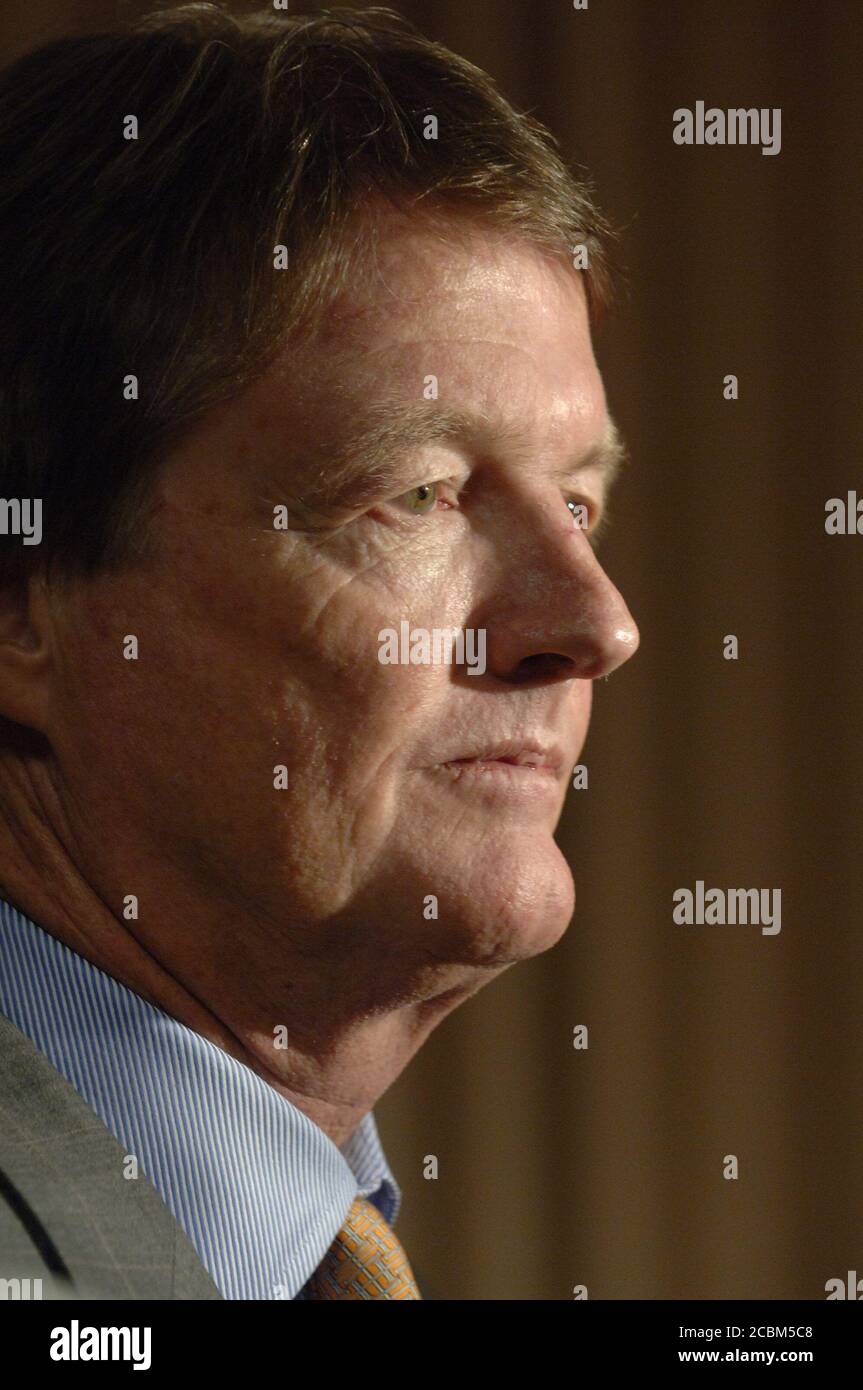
(259, 1189)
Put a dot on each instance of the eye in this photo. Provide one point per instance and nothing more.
(580, 512)
(593, 529)
(420, 499)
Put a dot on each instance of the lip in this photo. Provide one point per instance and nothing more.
(523, 757)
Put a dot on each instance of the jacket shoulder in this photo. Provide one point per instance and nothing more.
(69, 1215)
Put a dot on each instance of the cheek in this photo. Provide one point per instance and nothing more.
(351, 617)
(167, 679)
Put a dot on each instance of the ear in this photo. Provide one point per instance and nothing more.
(26, 652)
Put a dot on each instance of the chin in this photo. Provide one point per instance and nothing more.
(511, 905)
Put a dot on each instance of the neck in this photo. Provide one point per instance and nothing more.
(301, 1021)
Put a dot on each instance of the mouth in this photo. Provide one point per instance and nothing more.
(509, 759)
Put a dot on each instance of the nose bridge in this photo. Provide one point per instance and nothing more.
(551, 551)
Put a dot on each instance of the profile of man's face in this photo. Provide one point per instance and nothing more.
(259, 647)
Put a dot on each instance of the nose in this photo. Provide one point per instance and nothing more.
(555, 614)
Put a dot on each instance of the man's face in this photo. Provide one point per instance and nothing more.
(260, 647)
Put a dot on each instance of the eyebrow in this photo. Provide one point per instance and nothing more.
(364, 465)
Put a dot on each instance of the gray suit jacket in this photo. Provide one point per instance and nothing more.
(67, 1214)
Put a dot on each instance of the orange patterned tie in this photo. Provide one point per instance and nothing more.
(365, 1260)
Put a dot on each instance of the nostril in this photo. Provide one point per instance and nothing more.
(543, 666)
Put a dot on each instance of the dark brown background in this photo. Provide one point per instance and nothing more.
(604, 1167)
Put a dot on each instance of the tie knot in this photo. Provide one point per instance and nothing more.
(366, 1260)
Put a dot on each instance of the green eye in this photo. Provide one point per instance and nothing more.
(420, 499)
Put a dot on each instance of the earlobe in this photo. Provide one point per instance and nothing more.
(26, 649)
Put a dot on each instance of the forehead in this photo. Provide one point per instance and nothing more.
(422, 261)
(459, 283)
(462, 313)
